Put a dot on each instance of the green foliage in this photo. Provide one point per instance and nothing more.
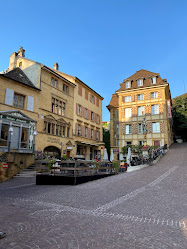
(116, 165)
(51, 162)
(135, 149)
(106, 140)
(179, 114)
(64, 157)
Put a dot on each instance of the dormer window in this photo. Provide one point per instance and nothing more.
(128, 84)
(153, 80)
(140, 82)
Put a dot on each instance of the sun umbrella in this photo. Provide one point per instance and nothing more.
(121, 157)
(111, 155)
(105, 158)
(129, 157)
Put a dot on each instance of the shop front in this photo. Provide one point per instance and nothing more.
(16, 132)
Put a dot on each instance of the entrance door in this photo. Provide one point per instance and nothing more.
(68, 153)
(15, 139)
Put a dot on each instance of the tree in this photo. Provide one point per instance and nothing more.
(106, 140)
(179, 114)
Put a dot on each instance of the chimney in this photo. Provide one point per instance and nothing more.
(56, 66)
(21, 52)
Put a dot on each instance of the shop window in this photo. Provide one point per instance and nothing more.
(19, 100)
(24, 137)
(4, 135)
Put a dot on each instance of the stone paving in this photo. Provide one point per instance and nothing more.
(141, 209)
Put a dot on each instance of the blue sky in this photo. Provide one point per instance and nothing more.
(102, 42)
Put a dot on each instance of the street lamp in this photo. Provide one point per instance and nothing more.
(11, 132)
(144, 124)
(34, 134)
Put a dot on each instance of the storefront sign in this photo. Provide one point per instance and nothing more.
(69, 148)
(15, 119)
(116, 151)
(53, 140)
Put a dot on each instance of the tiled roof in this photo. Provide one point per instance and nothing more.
(146, 75)
(113, 101)
(18, 75)
(74, 77)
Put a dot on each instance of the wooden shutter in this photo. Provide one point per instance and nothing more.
(9, 97)
(76, 108)
(89, 132)
(30, 103)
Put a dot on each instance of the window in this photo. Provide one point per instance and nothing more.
(92, 116)
(141, 110)
(4, 135)
(156, 127)
(97, 135)
(79, 109)
(154, 109)
(19, 100)
(58, 107)
(128, 84)
(24, 137)
(154, 95)
(97, 119)
(79, 130)
(20, 64)
(117, 128)
(63, 131)
(86, 132)
(140, 96)
(140, 82)
(92, 132)
(127, 98)
(86, 113)
(128, 142)
(57, 130)
(65, 88)
(118, 142)
(67, 131)
(140, 128)
(128, 129)
(92, 99)
(127, 112)
(54, 82)
(153, 80)
(141, 143)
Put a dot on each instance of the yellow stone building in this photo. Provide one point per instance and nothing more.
(140, 112)
(65, 113)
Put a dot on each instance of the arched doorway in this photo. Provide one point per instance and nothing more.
(52, 151)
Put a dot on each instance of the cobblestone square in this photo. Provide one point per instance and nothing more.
(141, 209)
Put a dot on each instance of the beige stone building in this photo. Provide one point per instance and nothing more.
(140, 112)
(64, 112)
